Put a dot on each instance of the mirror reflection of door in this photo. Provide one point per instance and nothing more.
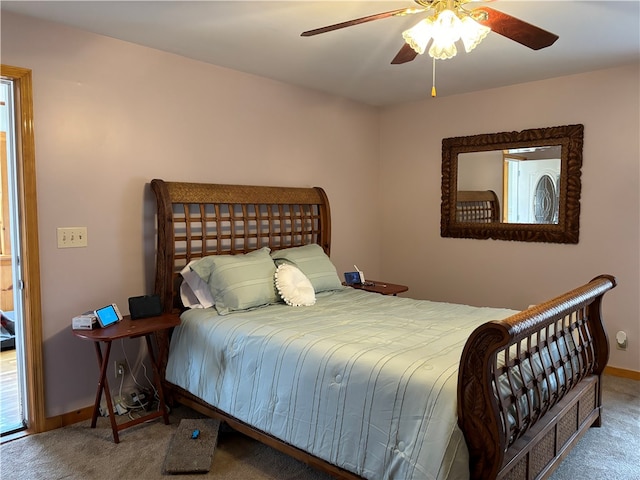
(545, 202)
(515, 175)
(530, 190)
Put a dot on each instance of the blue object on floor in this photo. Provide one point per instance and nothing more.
(195, 434)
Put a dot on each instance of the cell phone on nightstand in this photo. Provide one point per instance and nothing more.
(108, 315)
(352, 278)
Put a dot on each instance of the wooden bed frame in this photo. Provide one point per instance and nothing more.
(480, 206)
(196, 220)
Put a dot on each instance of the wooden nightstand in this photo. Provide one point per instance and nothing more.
(127, 328)
(383, 288)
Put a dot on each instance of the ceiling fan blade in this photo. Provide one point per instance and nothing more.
(378, 16)
(406, 54)
(515, 29)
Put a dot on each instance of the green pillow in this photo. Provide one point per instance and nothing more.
(314, 263)
(239, 282)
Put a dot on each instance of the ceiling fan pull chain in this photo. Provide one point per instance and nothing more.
(433, 88)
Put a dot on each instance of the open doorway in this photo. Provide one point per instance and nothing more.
(20, 276)
(12, 384)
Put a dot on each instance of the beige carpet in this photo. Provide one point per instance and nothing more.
(80, 452)
(611, 452)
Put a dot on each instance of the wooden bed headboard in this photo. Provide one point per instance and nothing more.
(480, 206)
(196, 220)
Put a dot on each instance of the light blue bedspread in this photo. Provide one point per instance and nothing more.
(364, 381)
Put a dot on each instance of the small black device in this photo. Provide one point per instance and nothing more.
(352, 278)
(145, 306)
(108, 315)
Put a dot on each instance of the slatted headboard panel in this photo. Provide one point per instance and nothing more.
(480, 206)
(196, 220)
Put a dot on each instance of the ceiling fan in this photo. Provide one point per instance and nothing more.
(448, 22)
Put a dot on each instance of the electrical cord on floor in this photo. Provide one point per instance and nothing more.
(135, 380)
(142, 389)
(153, 387)
(120, 388)
(144, 368)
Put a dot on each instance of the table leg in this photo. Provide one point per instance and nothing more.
(103, 386)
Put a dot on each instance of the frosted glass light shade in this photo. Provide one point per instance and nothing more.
(442, 50)
(472, 33)
(445, 30)
(419, 35)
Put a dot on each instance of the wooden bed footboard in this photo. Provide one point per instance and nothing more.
(529, 385)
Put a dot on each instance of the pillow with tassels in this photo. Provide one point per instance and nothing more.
(294, 287)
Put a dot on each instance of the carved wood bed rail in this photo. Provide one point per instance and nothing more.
(528, 386)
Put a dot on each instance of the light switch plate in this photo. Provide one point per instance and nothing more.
(72, 237)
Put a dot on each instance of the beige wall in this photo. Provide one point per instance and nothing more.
(515, 274)
(110, 116)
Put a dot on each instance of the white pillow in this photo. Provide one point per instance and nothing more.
(294, 287)
(194, 291)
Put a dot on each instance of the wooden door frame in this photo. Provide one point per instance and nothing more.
(30, 259)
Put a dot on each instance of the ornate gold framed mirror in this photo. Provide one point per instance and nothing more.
(522, 186)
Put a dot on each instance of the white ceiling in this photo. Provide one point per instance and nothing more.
(263, 38)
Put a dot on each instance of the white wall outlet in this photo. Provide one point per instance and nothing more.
(119, 369)
(621, 340)
(72, 237)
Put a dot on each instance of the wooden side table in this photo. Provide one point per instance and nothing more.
(381, 287)
(127, 328)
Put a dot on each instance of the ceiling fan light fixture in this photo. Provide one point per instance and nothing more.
(472, 33)
(442, 50)
(419, 35)
(445, 30)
